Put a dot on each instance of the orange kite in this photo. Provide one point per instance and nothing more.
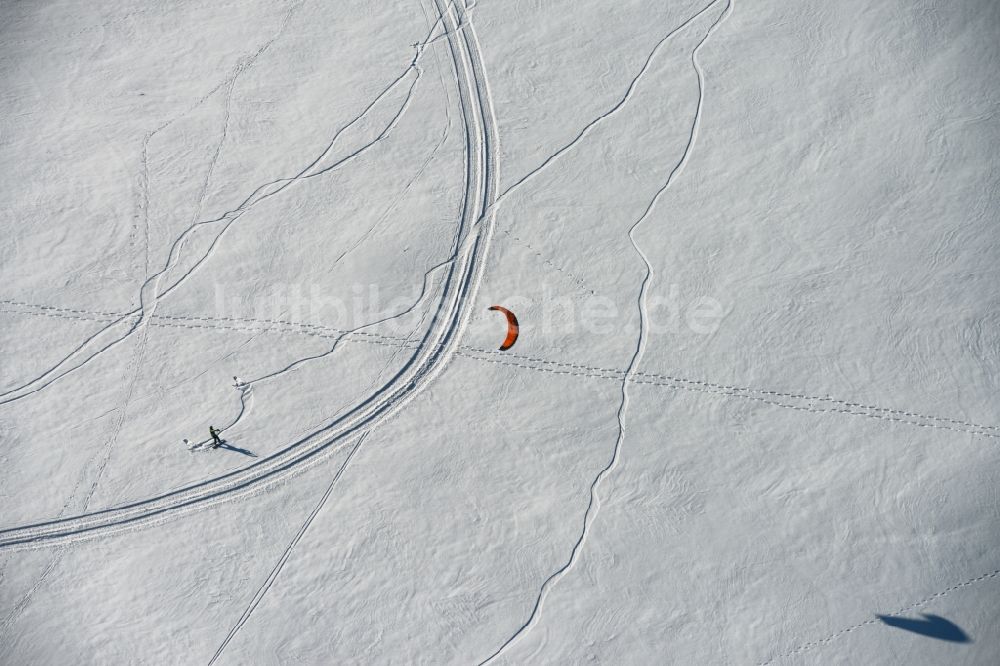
(512, 327)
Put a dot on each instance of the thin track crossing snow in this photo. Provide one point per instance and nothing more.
(476, 226)
(594, 499)
(812, 402)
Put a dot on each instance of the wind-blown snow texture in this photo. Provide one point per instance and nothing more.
(752, 408)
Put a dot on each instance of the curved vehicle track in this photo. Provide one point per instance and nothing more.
(436, 348)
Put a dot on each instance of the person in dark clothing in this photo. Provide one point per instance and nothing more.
(216, 441)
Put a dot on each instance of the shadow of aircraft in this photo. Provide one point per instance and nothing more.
(933, 626)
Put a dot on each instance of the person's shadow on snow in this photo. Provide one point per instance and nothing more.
(229, 447)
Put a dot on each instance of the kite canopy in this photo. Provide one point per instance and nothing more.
(512, 327)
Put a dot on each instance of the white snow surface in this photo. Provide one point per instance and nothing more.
(752, 247)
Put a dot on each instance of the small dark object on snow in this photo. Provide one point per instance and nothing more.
(216, 441)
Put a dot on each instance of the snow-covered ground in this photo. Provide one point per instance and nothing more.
(751, 416)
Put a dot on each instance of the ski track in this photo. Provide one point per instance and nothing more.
(136, 362)
(25, 599)
(433, 352)
(269, 581)
(395, 202)
(614, 109)
(229, 217)
(594, 501)
(626, 377)
(246, 389)
(805, 647)
(242, 65)
(404, 344)
(610, 112)
(575, 279)
(510, 359)
(276, 570)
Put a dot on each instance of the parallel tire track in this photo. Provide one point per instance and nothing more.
(476, 227)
